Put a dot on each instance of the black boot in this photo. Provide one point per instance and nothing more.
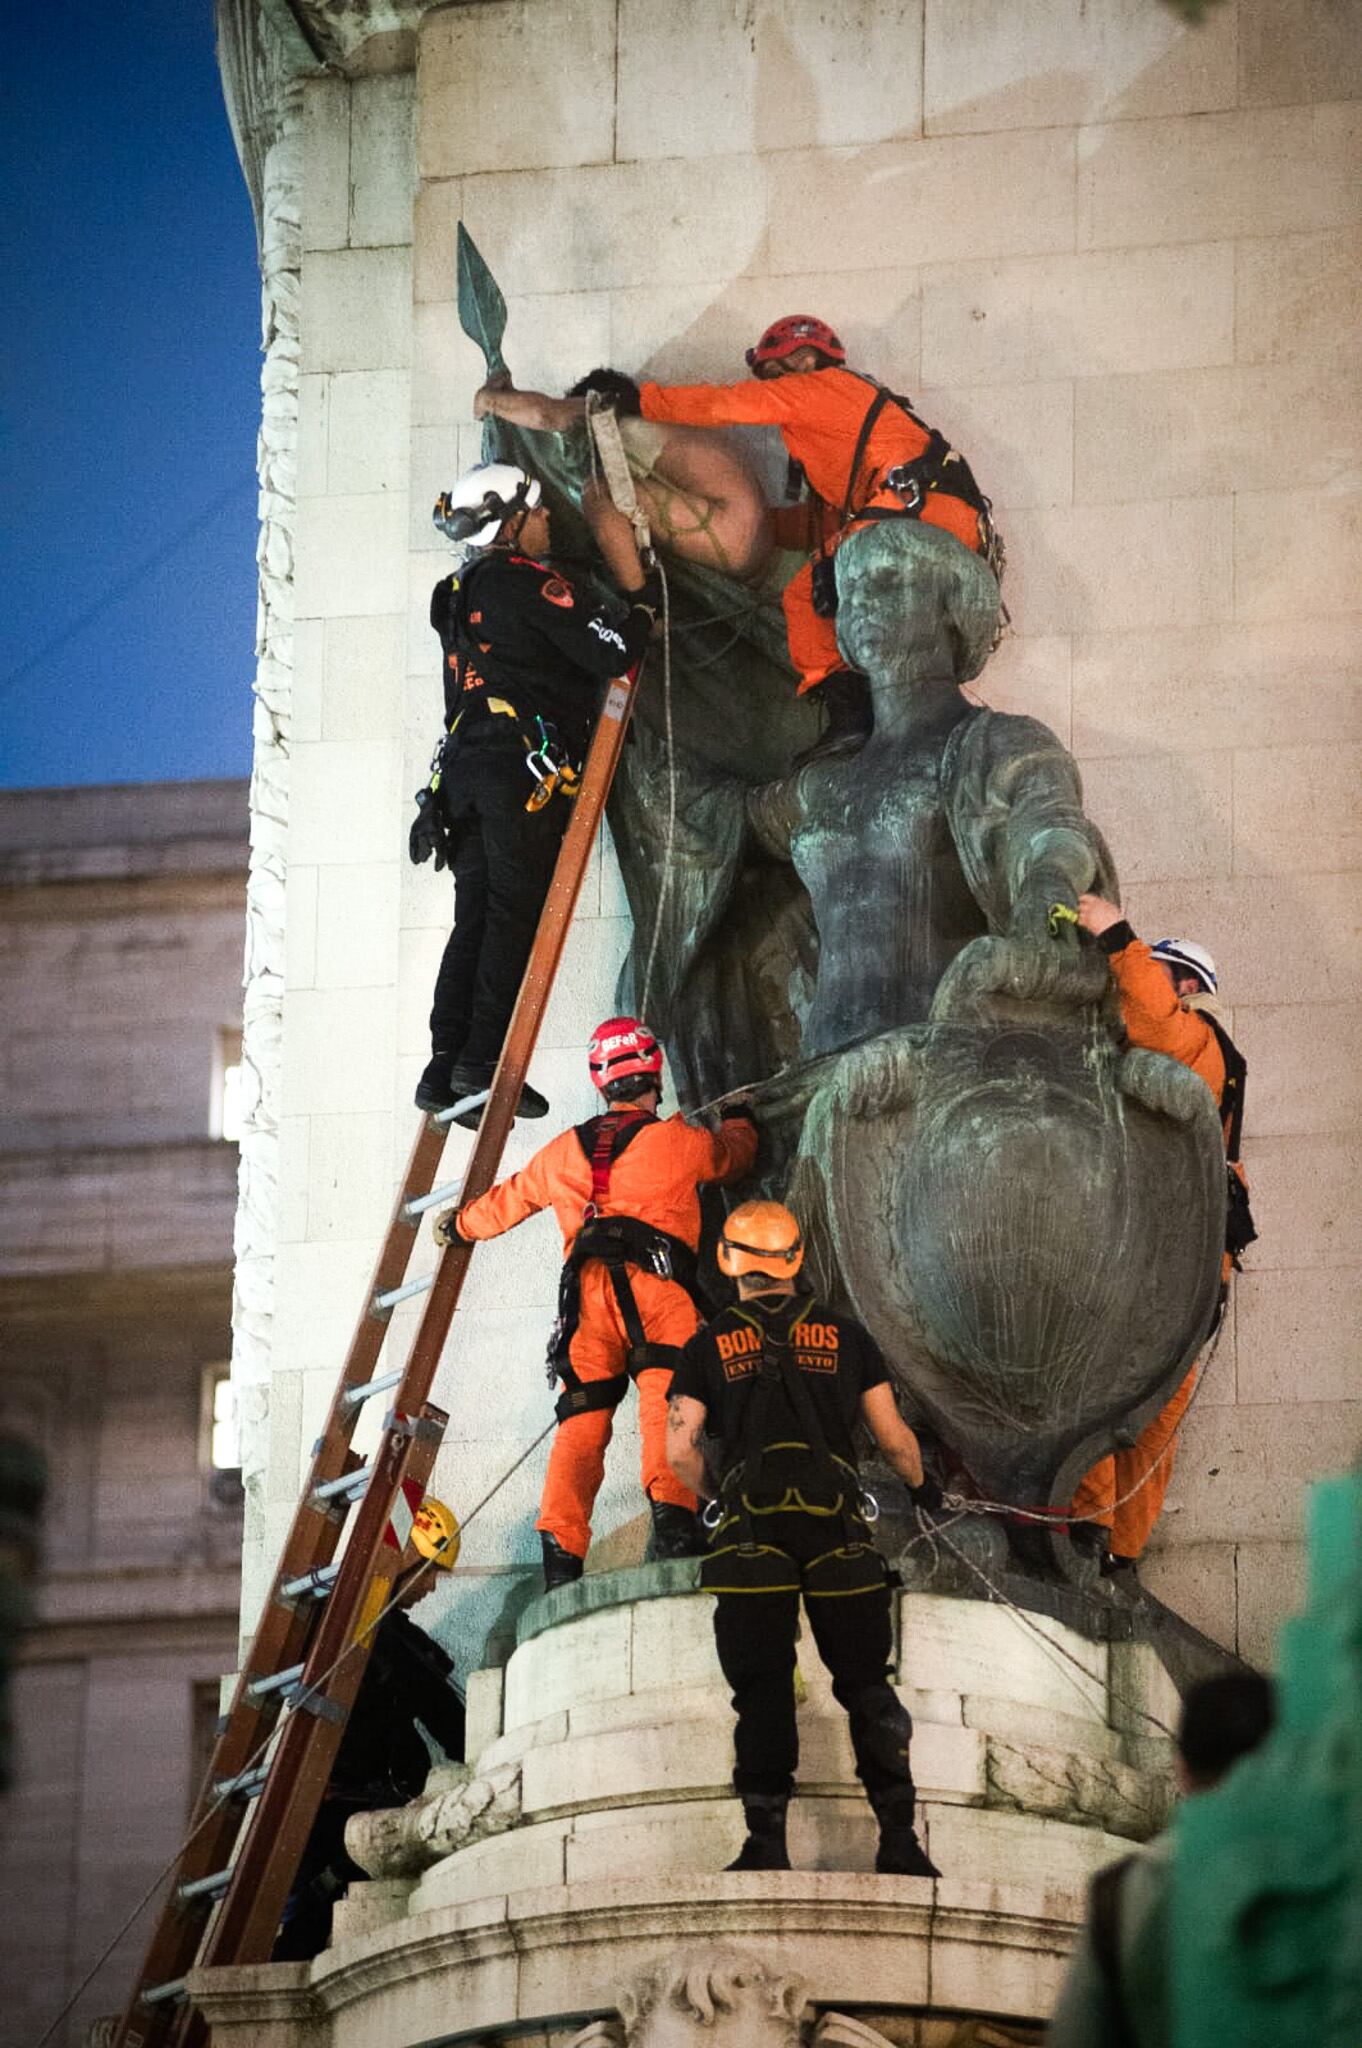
(561, 1567)
(676, 1532)
(432, 1090)
(900, 1853)
(765, 1847)
(845, 697)
(468, 1077)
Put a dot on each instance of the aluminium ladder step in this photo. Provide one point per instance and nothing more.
(203, 1930)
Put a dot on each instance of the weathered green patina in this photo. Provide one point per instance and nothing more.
(1028, 1216)
(1266, 1920)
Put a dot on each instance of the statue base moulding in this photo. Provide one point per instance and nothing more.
(529, 1894)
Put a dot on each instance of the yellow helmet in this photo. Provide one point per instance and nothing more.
(435, 1533)
(761, 1237)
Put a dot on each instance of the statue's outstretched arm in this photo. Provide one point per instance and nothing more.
(1025, 839)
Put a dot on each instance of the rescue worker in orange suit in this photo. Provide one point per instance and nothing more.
(1167, 994)
(864, 454)
(782, 1381)
(624, 1188)
(525, 654)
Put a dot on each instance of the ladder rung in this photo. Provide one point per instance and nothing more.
(461, 1108)
(278, 1681)
(349, 1482)
(419, 1204)
(164, 1994)
(318, 1583)
(355, 1397)
(382, 1303)
(244, 1785)
(204, 1887)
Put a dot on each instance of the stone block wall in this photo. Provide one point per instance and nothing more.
(1116, 258)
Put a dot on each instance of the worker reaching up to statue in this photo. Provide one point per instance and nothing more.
(525, 653)
(1167, 994)
(781, 1381)
(865, 455)
(624, 1188)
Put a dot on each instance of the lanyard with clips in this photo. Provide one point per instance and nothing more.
(544, 756)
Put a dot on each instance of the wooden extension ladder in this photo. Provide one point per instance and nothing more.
(256, 1809)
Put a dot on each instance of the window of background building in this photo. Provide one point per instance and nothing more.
(224, 1114)
(219, 1445)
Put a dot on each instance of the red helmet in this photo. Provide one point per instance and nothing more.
(796, 330)
(620, 1048)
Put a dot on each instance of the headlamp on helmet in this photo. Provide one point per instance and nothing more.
(475, 510)
(761, 1237)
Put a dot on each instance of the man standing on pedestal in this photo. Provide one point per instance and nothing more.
(781, 1380)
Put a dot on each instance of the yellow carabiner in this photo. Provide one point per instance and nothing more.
(1060, 915)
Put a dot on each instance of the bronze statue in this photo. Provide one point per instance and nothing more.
(1027, 1215)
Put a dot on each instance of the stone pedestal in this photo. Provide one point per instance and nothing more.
(588, 1834)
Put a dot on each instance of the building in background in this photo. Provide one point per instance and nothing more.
(120, 1027)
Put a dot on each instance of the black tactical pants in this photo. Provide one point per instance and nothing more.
(754, 1634)
(503, 864)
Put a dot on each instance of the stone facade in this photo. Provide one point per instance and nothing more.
(1116, 258)
(120, 966)
(586, 1839)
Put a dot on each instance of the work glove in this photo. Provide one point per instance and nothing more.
(445, 1228)
(427, 835)
(928, 1496)
(649, 597)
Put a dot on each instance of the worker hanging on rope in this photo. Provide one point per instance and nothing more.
(781, 1380)
(524, 655)
(383, 1759)
(1167, 994)
(865, 456)
(623, 1187)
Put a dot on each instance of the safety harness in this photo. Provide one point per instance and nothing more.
(939, 468)
(553, 770)
(617, 1242)
(1240, 1229)
(740, 1562)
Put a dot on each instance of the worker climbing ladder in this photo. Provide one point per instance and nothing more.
(280, 1736)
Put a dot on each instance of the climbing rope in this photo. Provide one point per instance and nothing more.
(609, 461)
(669, 844)
(1057, 1521)
(409, 1579)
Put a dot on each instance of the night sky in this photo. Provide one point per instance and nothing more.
(129, 401)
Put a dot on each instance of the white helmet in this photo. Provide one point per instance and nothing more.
(1191, 958)
(480, 503)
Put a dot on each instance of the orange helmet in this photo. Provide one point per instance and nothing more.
(796, 330)
(761, 1237)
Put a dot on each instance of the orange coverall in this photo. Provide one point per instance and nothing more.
(1154, 1018)
(819, 414)
(656, 1179)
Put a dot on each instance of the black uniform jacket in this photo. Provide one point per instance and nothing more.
(383, 1757)
(514, 628)
(721, 1366)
